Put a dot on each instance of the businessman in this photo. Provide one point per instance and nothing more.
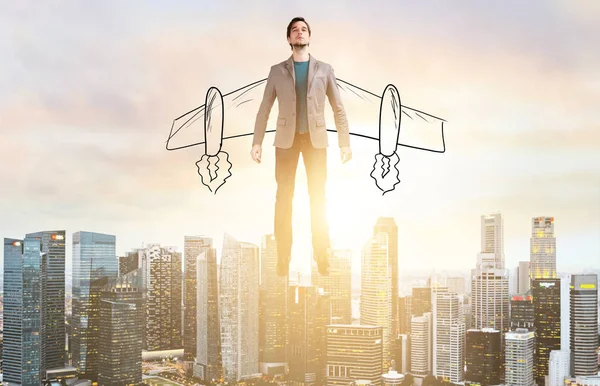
(300, 85)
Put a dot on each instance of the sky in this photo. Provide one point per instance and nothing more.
(88, 93)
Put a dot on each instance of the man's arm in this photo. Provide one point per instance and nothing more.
(260, 126)
(339, 114)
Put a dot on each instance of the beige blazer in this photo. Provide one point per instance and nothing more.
(281, 84)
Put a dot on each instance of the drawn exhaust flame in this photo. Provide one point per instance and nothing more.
(208, 169)
(385, 173)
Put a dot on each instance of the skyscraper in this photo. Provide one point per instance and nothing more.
(403, 320)
(94, 258)
(448, 336)
(524, 283)
(484, 357)
(208, 364)
(53, 299)
(388, 226)
(542, 248)
(376, 290)
(547, 314)
(521, 312)
(584, 325)
(22, 349)
(489, 291)
(402, 353)
(558, 367)
(519, 358)
(456, 284)
(420, 344)
(362, 362)
(193, 246)
(273, 298)
(338, 285)
(492, 237)
(309, 314)
(120, 332)
(420, 300)
(238, 291)
(164, 298)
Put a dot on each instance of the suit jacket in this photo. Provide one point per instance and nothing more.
(281, 84)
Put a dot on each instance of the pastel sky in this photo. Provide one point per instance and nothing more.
(88, 92)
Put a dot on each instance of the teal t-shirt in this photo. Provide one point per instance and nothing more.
(301, 73)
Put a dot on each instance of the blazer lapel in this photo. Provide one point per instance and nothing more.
(289, 64)
(313, 65)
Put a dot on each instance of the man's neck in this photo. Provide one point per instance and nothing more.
(301, 54)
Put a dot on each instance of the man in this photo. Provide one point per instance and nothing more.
(300, 85)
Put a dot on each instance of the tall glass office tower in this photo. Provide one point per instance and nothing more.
(22, 311)
(94, 258)
(34, 306)
(53, 299)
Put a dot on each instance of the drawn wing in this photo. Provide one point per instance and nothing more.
(241, 106)
(418, 130)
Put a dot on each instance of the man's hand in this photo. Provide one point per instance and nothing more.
(256, 153)
(346, 154)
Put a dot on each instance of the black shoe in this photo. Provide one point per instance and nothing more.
(283, 267)
(321, 256)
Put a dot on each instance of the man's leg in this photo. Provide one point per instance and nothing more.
(286, 163)
(315, 161)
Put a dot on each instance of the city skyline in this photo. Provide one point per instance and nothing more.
(85, 136)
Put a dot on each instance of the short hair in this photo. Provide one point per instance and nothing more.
(294, 20)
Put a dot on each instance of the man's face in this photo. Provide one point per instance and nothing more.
(299, 36)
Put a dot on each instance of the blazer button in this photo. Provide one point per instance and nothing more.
(309, 97)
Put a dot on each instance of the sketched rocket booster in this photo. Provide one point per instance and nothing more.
(385, 171)
(214, 166)
(210, 162)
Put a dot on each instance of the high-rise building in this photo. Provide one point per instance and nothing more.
(53, 299)
(338, 285)
(456, 284)
(547, 322)
(164, 298)
(420, 344)
(309, 314)
(361, 362)
(521, 312)
(467, 315)
(558, 368)
(484, 357)
(120, 335)
(402, 353)
(542, 248)
(388, 226)
(490, 298)
(239, 299)
(519, 358)
(376, 290)
(128, 263)
(403, 312)
(208, 364)
(22, 311)
(408, 312)
(420, 300)
(448, 336)
(94, 259)
(272, 312)
(193, 246)
(524, 282)
(492, 237)
(584, 325)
